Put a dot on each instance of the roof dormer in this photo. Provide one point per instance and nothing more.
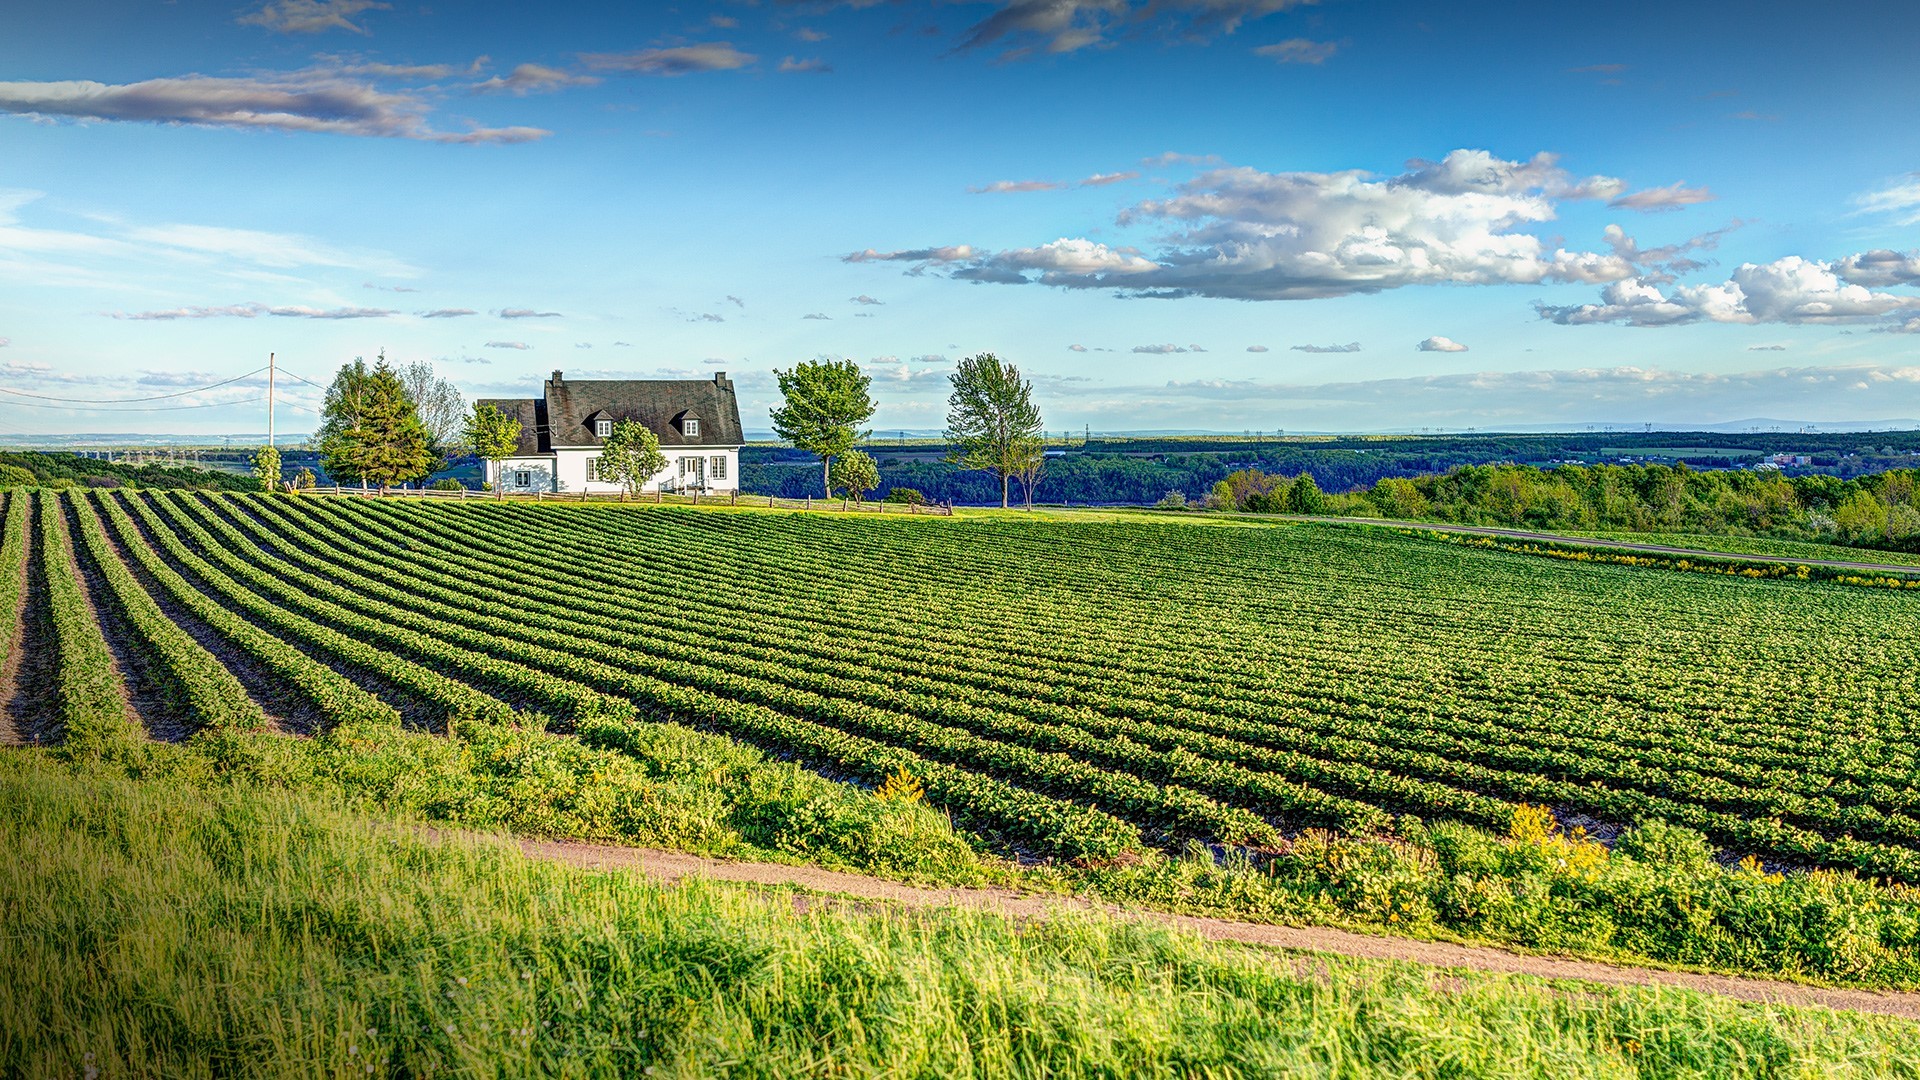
(600, 423)
(687, 423)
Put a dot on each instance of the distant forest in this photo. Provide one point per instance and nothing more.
(1141, 471)
(58, 469)
(1877, 510)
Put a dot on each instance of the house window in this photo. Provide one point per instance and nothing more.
(523, 478)
(691, 425)
(602, 428)
(593, 468)
(686, 467)
(717, 467)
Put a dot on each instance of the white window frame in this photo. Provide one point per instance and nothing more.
(602, 429)
(717, 467)
(691, 427)
(686, 467)
(523, 478)
(593, 468)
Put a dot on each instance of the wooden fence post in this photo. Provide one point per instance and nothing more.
(733, 497)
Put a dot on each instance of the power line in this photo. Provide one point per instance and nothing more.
(121, 401)
(148, 408)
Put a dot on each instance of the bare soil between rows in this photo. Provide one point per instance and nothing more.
(673, 866)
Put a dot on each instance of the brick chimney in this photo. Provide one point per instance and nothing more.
(720, 379)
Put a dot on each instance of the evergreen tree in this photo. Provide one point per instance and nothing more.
(375, 434)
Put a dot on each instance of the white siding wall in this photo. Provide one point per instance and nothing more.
(539, 472)
(572, 470)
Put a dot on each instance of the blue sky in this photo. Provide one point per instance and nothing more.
(1215, 214)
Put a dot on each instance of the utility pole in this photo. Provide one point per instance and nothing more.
(270, 373)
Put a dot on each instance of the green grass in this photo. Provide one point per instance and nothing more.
(1760, 545)
(157, 930)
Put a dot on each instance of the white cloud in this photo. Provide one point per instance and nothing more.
(1766, 348)
(865, 300)
(283, 250)
(533, 79)
(821, 315)
(1440, 344)
(1256, 348)
(1103, 179)
(683, 60)
(795, 66)
(1160, 350)
(1238, 233)
(5, 341)
(1900, 198)
(312, 16)
(526, 313)
(508, 345)
(1299, 51)
(1789, 290)
(1672, 197)
(1880, 268)
(1002, 187)
(1351, 346)
(1076, 348)
(251, 311)
(306, 102)
(446, 313)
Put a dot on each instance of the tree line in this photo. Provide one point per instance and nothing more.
(1880, 510)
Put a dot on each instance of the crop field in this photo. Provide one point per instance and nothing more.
(1067, 690)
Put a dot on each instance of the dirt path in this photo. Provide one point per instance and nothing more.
(672, 866)
(1619, 545)
(26, 686)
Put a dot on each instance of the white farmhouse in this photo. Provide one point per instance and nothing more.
(696, 420)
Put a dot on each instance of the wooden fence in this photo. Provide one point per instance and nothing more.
(728, 498)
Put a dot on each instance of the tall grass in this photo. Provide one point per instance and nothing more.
(152, 929)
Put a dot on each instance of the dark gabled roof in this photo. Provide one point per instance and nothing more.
(661, 404)
(532, 414)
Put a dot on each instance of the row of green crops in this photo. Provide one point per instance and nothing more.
(1078, 689)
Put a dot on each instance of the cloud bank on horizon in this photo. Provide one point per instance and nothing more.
(628, 169)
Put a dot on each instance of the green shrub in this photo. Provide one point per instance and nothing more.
(907, 495)
(1674, 847)
(446, 483)
(12, 476)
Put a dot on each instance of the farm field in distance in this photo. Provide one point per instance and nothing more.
(1073, 691)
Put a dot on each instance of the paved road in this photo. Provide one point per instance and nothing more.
(1617, 545)
(673, 866)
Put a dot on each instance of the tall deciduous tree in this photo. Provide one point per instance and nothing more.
(825, 403)
(339, 416)
(372, 433)
(443, 412)
(494, 437)
(992, 422)
(630, 457)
